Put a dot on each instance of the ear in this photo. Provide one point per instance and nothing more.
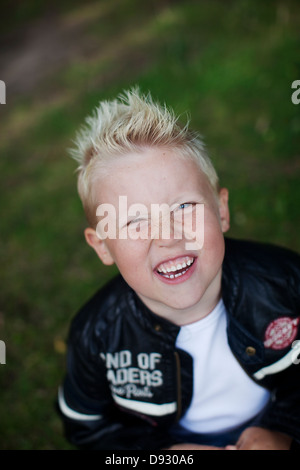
(224, 209)
(98, 245)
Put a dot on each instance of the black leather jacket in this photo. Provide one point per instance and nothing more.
(126, 382)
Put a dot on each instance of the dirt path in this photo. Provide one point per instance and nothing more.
(40, 48)
(89, 33)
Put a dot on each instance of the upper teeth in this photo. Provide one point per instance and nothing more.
(168, 268)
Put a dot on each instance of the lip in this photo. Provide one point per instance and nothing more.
(180, 279)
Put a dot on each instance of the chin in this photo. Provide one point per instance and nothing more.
(186, 303)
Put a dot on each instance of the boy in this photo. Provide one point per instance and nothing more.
(194, 345)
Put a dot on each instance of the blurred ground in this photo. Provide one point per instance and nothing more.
(37, 50)
(44, 45)
(229, 64)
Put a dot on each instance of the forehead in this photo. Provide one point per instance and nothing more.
(153, 175)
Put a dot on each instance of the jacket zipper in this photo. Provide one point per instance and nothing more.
(178, 378)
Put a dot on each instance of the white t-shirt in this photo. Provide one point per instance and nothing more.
(224, 396)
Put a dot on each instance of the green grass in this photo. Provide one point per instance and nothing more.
(230, 65)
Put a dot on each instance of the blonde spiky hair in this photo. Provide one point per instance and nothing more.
(129, 124)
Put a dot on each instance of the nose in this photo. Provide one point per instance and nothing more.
(164, 232)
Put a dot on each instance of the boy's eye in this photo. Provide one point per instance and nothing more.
(185, 209)
(138, 226)
(185, 205)
(136, 221)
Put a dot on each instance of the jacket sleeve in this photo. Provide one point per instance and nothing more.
(283, 412)
(91, 418)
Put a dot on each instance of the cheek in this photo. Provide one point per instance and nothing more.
(130, 256)
(212, 225)
(213, 237)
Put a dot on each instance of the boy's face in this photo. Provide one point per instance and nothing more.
(174, 278)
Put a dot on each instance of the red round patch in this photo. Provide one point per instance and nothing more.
(281, 332)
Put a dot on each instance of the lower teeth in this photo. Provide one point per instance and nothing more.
(177, 275)
(172, 276)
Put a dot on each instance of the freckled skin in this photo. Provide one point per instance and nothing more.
(158, 177)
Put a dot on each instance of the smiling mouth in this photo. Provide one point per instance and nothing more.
(177, 268)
